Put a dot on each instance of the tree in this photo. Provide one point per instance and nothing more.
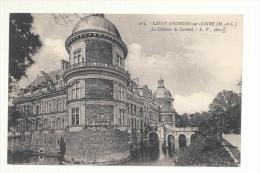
(225, 109)
(182, 120)
(23, 44)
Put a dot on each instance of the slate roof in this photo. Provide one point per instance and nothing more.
(52, 75)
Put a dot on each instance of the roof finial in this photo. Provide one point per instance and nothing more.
(161, 82)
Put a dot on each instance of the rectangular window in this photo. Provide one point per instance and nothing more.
(132, 123)
(49, 106)
(46, 107)
(62, 123)
(63, 106)
(134, 109)
(121, 116)
(121, 92)
(76, 90)
(129, 123)
(77, 56)
(119, 61)
(58, 142)
(58, 123)
(21, 126)
(45, 124)
(75, 116)
(73, 93)
(59, 105)
(25, 110)
(38, 124)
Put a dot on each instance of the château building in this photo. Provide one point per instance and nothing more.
(91, 104)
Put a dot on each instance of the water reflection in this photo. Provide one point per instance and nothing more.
(149, 156)
(34, 159)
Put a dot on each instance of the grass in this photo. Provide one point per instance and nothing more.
(198, 154)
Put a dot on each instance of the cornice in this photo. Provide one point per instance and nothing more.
(94, 33)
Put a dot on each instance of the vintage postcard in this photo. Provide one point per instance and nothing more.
(124, 89)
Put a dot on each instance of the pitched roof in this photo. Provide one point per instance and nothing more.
(52, 75)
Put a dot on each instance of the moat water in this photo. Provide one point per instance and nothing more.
(147, 157)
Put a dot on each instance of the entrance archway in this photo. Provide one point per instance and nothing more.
(154, 139)
(171, 144)
(41, 150)
(182, 141)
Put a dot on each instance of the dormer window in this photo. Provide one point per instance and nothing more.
(77, 56)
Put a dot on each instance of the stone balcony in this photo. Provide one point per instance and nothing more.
(96, 67)
(182, 129)
(167, 110)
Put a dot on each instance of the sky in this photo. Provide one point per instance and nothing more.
(194, 65)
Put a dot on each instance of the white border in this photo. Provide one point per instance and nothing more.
(251, 81)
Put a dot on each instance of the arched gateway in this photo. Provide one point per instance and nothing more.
(154, 139)
(182, 141)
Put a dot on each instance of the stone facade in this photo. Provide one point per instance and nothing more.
(93, 53)
(97, 114)
(97, 145)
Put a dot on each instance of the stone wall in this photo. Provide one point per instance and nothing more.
(167, 117)
(94, 146)
(98, 51)
(97, 114)
(19, 143)
(99, 88)
(48, 142)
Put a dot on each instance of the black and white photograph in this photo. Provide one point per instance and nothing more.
(153, 86)
(125, 89)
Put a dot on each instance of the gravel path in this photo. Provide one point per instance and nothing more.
(232, 144)
(234, 140)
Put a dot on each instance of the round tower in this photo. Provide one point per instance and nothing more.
(165, 100)
(97, 82)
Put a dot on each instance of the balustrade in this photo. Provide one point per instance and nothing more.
(94, 64)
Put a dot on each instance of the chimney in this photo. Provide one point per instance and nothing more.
(136, 80)
(64, 64)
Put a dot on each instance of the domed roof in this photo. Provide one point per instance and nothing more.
(162, 92)
(96, 22)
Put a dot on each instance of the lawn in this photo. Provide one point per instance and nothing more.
(199, 154)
